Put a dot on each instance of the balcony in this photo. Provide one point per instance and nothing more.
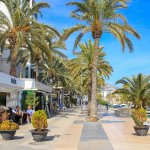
(31, 84)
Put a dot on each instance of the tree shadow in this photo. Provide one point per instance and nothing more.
(105, 115)
(50, 138)
(148, 134)
(18, 137)
(112, 121)
(63, 116)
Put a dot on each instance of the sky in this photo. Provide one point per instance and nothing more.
(124, 64)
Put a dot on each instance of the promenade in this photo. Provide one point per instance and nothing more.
(70, 131)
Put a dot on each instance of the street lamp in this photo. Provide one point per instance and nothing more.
(77, 53)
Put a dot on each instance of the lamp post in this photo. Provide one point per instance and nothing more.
(81, 82)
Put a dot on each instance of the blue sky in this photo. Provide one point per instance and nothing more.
(124, 64)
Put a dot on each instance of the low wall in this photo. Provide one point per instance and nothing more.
(123, 112)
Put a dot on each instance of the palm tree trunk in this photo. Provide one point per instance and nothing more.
(13, 60)
(93, 112)
(37, 71)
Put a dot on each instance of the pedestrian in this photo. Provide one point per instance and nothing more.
(29, 112)
(107, 106)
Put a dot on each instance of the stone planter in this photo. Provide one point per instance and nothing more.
(141, 131)
(39, 136)
(8, 135)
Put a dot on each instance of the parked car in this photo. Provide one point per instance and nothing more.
(116, 106)
(123, 105)
(148, 111)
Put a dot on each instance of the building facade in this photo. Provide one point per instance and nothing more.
(13, 89)
(106, 93)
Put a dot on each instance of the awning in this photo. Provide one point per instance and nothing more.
(9, 83)
(8, 88)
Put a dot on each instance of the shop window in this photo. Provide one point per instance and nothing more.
(3, 99)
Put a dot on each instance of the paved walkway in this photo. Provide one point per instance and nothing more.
(94, 137)
(121, 133)
(60, 127)
(70, 131)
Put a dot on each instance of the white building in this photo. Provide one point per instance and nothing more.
(12, 88)
(107, 89)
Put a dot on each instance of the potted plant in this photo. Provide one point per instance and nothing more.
(39, 122)
(140, 116)
(4, 114)
(8, 129)
(136, 90)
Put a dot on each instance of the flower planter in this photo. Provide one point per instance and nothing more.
(141, 131)
(39, 136)
(8, 134)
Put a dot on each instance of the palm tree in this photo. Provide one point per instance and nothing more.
(17, 29)
(98, 17)
(55, 72)
(81, 67)
(41, 52)
(136, 89)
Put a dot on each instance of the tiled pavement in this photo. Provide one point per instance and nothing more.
(94, 137)
(121, 133)
(59, 126)
(69, 131)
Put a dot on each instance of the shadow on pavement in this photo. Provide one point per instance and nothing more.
(148, 134)
(18, 137)
(63, 116)
(105, 114)
(49, 138)
(112, 121)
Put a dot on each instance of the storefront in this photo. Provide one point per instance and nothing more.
(42, 91)
(13, 90)
(9, 90)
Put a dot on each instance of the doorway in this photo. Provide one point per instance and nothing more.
(3, 99)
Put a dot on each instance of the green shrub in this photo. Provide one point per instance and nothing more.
(8, 125)
(102, 102)
(73, 101)
(139, 116)
(32, 100)
(39, 120)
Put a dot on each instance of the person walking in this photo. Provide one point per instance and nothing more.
(107, 106)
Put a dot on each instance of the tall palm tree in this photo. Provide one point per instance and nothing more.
(17, 29)
(41, 52)
(81, 67)
(136, 89)
(99, 17)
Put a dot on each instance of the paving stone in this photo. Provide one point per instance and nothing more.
(93, 137)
